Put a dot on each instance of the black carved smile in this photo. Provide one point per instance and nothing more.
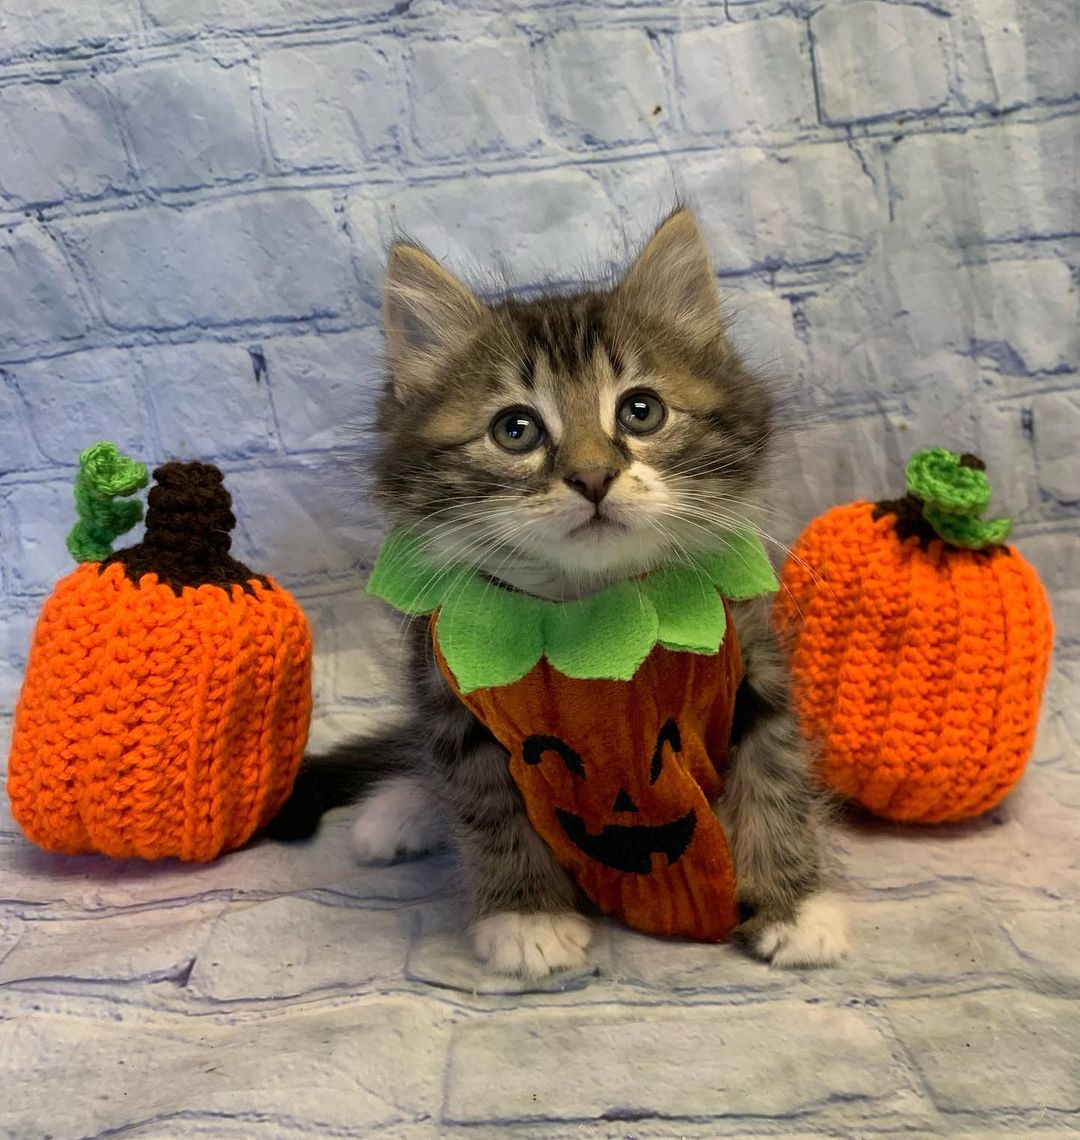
(630, 848)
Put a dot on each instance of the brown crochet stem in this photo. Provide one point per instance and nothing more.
(910, 521)
(189, 522)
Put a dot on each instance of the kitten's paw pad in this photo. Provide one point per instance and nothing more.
(532, 945)
(396, 821)
(817, 936)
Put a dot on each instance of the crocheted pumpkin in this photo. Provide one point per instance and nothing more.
(168, 691)
(919, 646)
(615, 711)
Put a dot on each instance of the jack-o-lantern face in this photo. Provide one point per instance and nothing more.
(617, 778)
(627, 847)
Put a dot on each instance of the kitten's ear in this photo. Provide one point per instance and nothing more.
(427, 313)
(672, 279)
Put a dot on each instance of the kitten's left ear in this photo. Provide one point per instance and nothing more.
(672, 279)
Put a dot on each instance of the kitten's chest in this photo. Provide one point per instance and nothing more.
(618, 777)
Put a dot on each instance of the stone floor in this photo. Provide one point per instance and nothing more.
(286, 993)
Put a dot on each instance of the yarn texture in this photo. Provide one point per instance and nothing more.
(167, 697)
(919, 661)
(104, 476)
(954, 491)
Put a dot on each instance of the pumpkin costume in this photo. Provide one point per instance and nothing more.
(919, 644)
(615, 711)
(168, 692)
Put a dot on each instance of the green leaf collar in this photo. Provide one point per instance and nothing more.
(491, 636)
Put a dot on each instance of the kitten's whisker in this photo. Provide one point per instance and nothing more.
(715, 465)
(708, 495)
(782, 546)
(788, 552)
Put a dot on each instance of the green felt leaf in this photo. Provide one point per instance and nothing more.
(608, 634)
(406, 576)
(690, 614)
(741, 569)
(489, 636)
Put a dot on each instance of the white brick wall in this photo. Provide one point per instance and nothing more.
(274, 255)
(190, 121)
(39, 299)
(1006, 182)
(332, 104)
(756, 74)
(876, 58)
(188, 187)
(59, 141)
(889, 189)
(795, 207)
(606, 87)
(471, 98)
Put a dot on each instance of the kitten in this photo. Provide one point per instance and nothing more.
(560, 445)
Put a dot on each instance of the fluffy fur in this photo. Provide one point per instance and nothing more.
(535, 519)
(398, 820)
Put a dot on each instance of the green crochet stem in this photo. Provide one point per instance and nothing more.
(954, 492)
(104, 476)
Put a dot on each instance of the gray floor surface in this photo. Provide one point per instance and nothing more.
(287, 992)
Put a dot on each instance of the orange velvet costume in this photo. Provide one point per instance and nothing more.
(615, 711)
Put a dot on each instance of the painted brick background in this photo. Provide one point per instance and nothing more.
(194, 200)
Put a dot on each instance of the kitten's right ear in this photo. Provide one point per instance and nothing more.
(427, 313)
(671, 277)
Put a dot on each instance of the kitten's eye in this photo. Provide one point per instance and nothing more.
(642, 413)
(517, 430)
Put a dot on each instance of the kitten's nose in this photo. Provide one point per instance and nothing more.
(592, 482)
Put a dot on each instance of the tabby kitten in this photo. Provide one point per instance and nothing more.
(560, 445)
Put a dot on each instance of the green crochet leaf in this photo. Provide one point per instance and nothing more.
(963, 530)
(954, 491)
(937, 476)
(491, 636)
(104, 477)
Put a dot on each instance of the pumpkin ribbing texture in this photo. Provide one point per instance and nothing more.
(157, 722)
(918, 667)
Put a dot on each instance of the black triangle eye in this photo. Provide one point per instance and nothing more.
(532, 752)
(623, 802)
(669, 734)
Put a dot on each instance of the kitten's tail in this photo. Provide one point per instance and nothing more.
(341, 776)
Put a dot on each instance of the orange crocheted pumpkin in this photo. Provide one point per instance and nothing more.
(919, 645)
(168, 692)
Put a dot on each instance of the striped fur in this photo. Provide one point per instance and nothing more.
(455, 364)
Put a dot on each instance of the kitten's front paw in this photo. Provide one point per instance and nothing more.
(532, 945)
(397, 821)
(816, 936)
